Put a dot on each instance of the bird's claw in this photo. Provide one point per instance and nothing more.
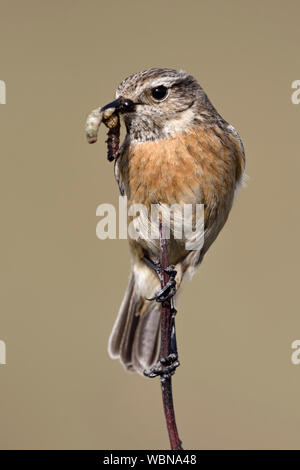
(169, 290)
(166, 292)
(164, 368)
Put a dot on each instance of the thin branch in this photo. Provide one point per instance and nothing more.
(167, 335)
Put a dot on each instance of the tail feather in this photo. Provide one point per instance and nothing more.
(129, 333)
(116, 336)
(145, 346)
(135, 335)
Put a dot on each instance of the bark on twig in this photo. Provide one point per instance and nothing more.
(167, 325)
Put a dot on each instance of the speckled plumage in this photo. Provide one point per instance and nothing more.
(179, 150)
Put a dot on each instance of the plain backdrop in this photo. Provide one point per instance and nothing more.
(61, 287)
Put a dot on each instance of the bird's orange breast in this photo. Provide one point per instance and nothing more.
(162, 171)
(196, 166)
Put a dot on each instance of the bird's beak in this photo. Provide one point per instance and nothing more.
(109, 115)
(120, 105)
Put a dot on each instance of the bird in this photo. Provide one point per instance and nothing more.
(177, 150)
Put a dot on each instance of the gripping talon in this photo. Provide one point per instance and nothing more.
(171, 271)
(164, 368)
(169, 290)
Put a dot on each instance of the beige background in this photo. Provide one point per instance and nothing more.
(61, 287)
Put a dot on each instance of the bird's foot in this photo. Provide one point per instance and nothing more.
(166, 292)
(156, 267)
(169, 290)
(164, 368)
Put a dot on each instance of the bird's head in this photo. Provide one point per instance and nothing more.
(159, 103)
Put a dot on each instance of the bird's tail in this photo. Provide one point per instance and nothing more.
(136, 332)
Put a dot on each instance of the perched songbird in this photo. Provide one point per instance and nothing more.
(177, 150)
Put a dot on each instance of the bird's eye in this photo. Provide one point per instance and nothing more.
(159, 93)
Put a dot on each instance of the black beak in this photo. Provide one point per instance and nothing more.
(121, 105)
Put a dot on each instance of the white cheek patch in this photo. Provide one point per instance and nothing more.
(179, 125)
